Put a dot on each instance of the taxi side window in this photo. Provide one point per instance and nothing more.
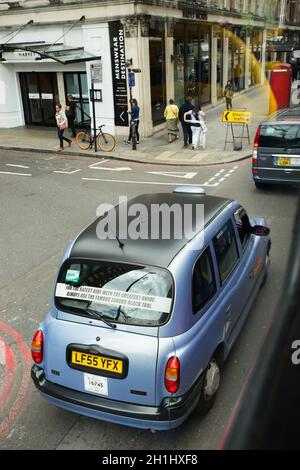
(226, 250)
(243, 226)
(204, 285)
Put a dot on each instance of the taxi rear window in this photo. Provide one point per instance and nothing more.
(280, 135)
(122, 293)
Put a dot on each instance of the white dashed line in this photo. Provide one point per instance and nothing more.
(15, 174)
(17, 166)
(220, 177)
(66, 172)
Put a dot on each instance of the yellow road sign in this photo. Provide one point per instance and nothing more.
(236, 117)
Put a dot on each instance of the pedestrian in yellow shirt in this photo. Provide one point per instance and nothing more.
(171, 115)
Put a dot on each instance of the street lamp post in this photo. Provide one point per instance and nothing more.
(131, 83)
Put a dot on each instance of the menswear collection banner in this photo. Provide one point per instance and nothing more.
(118, 61)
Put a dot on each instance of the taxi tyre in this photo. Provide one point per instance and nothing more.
(213, 374)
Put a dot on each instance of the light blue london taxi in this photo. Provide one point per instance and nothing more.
(138, 328)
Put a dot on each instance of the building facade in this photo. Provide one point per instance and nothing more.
(50, 48)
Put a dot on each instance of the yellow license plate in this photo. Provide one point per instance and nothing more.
(109, 364)
(283, 161)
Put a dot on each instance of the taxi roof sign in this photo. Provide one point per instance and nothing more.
(236, 116)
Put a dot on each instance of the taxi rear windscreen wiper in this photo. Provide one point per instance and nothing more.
(100, 316)
(293, 146)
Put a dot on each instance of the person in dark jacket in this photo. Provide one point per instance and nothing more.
(71, 114)
(228, 94)
(186, 128)
(135, 116)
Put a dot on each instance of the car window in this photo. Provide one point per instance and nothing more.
(226, 250)
(243, 226)
(279, 135)
(204, 285)
(138, 295)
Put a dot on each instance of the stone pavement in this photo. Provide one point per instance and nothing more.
(156, 149)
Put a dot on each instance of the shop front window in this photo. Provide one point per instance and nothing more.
(205, 67)
(192, 65)
(179, 63)
(255, 58)
(229, 62)
(238, 61)
(192, 52)
(39, 95)
(157, 71)
(76, 85)
(219, 66)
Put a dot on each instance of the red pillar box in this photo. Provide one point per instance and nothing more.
(280, 87)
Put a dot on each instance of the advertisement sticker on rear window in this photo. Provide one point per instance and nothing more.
(72, 275)
(114, 297)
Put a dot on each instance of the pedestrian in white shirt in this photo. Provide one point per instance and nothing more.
(62, 124)
(197, 120)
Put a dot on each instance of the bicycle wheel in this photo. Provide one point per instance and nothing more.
(84, 140)
(106, 142)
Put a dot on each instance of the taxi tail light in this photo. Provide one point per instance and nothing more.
(37, 347)
(255, 147)
(172, 375)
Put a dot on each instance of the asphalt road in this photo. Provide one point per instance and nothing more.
(45, 201)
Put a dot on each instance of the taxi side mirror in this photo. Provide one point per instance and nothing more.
(260, 230)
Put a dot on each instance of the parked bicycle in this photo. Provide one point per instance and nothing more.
(105, 141)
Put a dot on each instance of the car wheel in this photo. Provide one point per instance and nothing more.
(210, 386)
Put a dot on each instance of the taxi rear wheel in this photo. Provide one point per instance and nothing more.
(210, 386)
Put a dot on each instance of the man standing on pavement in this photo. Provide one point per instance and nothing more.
(186, 128)
(71, 114)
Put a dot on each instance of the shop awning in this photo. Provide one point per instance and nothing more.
(58, 52)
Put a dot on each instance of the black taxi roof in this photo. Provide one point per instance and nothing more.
(157, 252)
(284, 116)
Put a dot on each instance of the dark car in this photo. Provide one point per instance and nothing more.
(276, 153)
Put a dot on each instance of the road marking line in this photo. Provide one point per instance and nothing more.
(66, 172)
(121, 168)
(146, 182)
(175, 174)
(94, 165)
(16, 174)
(17, 166)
